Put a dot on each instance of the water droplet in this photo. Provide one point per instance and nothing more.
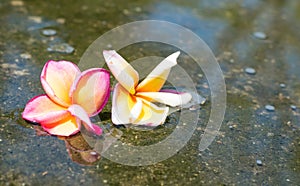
(62, 48)
(259, 162)
(260, 35)
(270, 108)
(49, 32)
(250, 70)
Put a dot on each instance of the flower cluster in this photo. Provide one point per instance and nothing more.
(72, 96)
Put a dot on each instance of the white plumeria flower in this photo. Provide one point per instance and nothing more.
(133, 102)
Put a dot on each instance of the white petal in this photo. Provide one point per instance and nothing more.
(157, 78)
(151, 114)
(167, 98)
(122, 71)
(125, 108)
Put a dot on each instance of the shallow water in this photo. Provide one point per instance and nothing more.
(232, 29)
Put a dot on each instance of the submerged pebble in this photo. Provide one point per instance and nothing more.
(282, 85)
(49, 32)
(25, 56)
(250, 70)
(259, 162)
(260, 35)
(270, 108)
(293, 107)
(62, 48)
(17, 3)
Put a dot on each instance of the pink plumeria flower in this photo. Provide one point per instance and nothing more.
(133, 102)
(71, 98)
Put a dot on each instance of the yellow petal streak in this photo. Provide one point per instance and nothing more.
(124, 106)
(157, 78)
(151, 114)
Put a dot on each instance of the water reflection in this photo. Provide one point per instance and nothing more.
(78, 149)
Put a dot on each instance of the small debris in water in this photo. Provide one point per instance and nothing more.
(260, 35)
(36, 19)
(25, 56)
(194, 107)
(49, 32)
(62, 48)
(17, 3)
(259, 162)
(44, 173)
(126, 12)
(270, 134)
(250, 70)
(61, 20)
(270, 108)
(293, 107)
(138, 9)
(282, 85)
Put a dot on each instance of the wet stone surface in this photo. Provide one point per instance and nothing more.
(255, 145)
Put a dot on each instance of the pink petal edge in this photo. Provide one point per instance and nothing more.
(79, 112)
(105, 84)
(42, 109)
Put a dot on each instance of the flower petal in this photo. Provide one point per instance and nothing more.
(151, 114)
(157, 78)
(64, 127)
(57, 79)
(80, 113)
(125, 108)
(122, 71)
(91, 90)
(166, 97)
(41, 109)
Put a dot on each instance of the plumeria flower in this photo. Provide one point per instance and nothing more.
(71, 98)
(133, 102)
